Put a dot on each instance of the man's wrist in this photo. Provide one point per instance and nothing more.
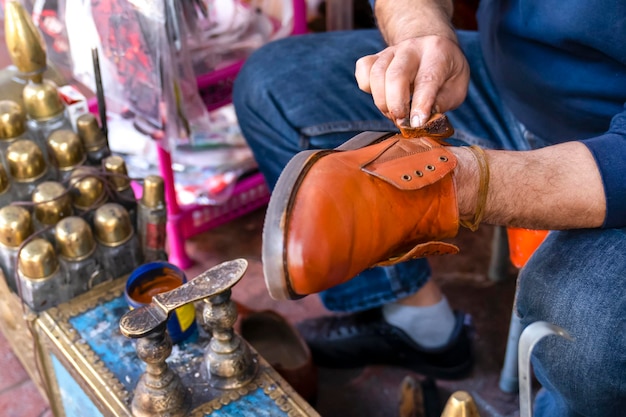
(466, 181)
(408, 19)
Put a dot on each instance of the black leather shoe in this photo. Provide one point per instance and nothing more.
(365, 338)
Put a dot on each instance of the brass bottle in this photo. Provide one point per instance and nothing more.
(52, 202)
(42, 281)
(12, 125)
(77, 255)
(66, 152)
(118, 245)
(45, 110)
(6, 189)
(87, 190)
(27, 52)
(152, 219)
(15, 227)
(27, 167)
(95, 143)
(460, 404)
(120, 184)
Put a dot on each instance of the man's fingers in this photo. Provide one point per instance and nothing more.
(398, 83)
(425, 74)
(378, 72)
(439, 87)
(428, 82)
(362, 72)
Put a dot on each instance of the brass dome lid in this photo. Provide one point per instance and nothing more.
(74, 238)
(66, 148)
(15, 225)
(26, 161)
(153, 191)
(38, 259)
(12, 120)
(24, 41)
(90, 132)
(42, 101)
(115, 165)
(112, 225)
(459, 404)
(52, 202)
(87, 189)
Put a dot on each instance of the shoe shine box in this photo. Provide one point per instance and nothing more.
(81, 362)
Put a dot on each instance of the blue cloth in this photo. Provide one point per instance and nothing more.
(300, 93)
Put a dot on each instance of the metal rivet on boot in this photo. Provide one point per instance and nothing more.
(419, 173)
(443, 158)
(430, 167)
(406, 177)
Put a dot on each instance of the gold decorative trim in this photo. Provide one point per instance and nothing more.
(273, 385)
(53, 334)
(74, 351)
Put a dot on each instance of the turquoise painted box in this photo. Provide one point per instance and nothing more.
(86, 367)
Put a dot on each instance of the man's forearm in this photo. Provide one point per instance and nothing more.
(399, 20)
(557, 187)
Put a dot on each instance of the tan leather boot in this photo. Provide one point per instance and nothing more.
(378, 199)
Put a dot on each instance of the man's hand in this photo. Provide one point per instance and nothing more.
(414, 78)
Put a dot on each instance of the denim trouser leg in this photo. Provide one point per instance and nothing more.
(576, 280)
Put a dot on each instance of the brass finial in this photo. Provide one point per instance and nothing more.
(26, 161)
(38, 259)
(153, 191)
(112, 225)
(74, 238)
(12, 120)
(24, 41)
(87, 188)
(89, 132)
(52, 202)
(67, 149)
(460, 404)
(15, 225)
(116, 165)
(42, 101)
(4, 180)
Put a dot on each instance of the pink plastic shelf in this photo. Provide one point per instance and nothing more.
(250, 194)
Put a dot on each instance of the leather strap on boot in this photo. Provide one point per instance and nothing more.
(409, 165)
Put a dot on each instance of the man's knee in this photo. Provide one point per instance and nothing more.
(575, 280)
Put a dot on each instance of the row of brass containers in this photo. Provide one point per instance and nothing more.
(53, 252)
(38, 141)
(68, 215)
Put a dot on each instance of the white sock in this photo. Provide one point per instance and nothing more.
(429, 326)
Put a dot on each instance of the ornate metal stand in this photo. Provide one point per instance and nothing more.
(159, 391)
(229, 362)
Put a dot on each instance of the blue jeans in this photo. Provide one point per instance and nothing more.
(300, 93)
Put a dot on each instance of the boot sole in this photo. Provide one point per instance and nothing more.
(274, 254)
